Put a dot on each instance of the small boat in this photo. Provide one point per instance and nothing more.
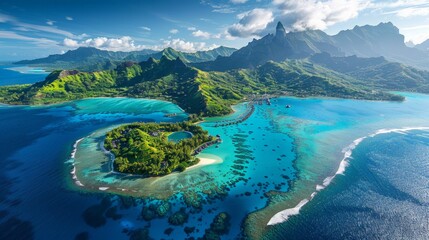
(288, 106)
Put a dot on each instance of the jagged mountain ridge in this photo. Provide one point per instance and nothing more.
(93, 59)
(199, 56)
(382, 40)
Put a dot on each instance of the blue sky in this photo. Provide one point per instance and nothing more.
(36, 28)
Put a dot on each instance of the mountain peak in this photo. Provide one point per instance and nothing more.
(280, 30)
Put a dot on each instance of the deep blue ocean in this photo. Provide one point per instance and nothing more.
(15, 74)
(384, 194)
(277, 156)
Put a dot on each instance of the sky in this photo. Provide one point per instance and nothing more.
(36, 28)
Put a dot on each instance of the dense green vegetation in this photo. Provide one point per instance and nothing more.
(303, 78)
(283, 64)
(196, 91)
(377, 73)
(92, 59)
(199, 56)
(143, 148)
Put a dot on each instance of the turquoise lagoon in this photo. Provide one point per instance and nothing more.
(273, 161)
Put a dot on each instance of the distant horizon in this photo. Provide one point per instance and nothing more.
(30, 30)
(208, 49)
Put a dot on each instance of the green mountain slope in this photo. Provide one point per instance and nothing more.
(377, 73)
(84, 59)
(196, 91)
(193, 90)
(384, 40)
(303, 78)
(200, 56)
(92, 59)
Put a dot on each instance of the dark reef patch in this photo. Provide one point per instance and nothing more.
(16, 229)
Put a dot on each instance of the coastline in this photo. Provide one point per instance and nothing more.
(284, 215)
(205, 161)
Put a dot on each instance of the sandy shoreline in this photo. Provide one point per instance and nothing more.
(204, 161)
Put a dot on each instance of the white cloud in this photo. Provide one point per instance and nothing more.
(112, 44)
(201, 34)
(224, 10)
(127, 44)
(317, 14)
(185, 46)
(21, 26)
(50, 22)
(192, 28)
(251, 22)
(6, 18)
(238, 1)
(69, 18)
(296, 16)
(70, 43)
(412, 12)
(38, 41)
(398, 4)
(48, 29)
(403, 8)
(416, 33)
(174, 31)
(146, 28)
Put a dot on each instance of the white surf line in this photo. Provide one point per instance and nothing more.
(73, 153)
(284, 215)
(72, 157)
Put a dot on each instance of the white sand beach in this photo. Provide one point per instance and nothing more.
(204, 161)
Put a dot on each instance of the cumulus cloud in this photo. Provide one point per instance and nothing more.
(251, 22)
(112, 44)
(296, 16)
(174, 31)
(201, 34)
(127, 44)
(317, 14)
(185, 46)
(70, 43)
(192, 28)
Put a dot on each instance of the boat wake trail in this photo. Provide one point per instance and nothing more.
(284, 215)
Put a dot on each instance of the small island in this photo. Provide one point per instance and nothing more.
(147, 150)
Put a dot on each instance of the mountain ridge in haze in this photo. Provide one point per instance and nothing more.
(93, 59)
(382, 40)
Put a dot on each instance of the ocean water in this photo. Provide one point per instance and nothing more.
(356, 180)
(383, 194)
(13, 74)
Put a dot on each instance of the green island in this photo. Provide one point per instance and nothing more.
(210, 93)
(144, 148)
